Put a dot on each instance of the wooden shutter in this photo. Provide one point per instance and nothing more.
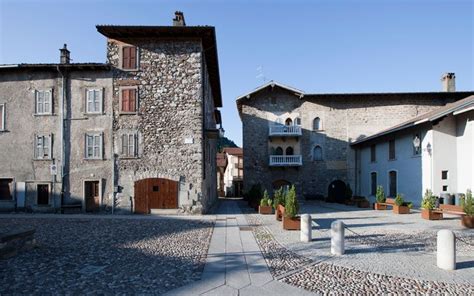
(133, 57)
(132, 100)
(126, 57)
(2, 110)
(125, 100)
(124, 144)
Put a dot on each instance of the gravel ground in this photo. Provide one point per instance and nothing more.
(106, 256)
(327, 278)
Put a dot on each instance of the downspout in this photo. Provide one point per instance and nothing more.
(61, 123)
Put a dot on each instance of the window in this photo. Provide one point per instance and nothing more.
(318, 153)
(445, 188)
(128, 100)
(373, 183)
(43, 147)
(42, 194)
(373, 153)
(6, 189)
(392, 179)
(416, 144)
(297, 121)
(94, 146)
(2, 117)
(289, 151)
(444, 175)
(391, 149)
(317, 124)
(288, 121)
(94, 101)
(129, 57)
(129, 145)
(279, 151)
(43, 99)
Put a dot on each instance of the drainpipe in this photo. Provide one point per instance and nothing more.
(61, 124)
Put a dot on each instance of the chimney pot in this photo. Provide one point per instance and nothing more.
(448, 81)
(178, 20)
(65, 55)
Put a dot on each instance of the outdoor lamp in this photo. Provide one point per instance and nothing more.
(429, 148)
(416, 142)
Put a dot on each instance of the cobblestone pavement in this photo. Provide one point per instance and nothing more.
(106, 256)
(378, 259)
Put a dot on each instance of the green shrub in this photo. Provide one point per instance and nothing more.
(410, 205)
(399, 200)
(429, 200)
(278, 198)
(269, 202)
(462, 200)
(265, 200)
(468, 206)
(380, 194)
(291, 204)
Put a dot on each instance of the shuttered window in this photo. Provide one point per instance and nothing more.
(43, 101)
(392, 176)
(373, 153)
(94, 100)
(43, 146)
(129, 57)
(129, 100)
(391, 150)
(373, 183)
(94, 143)
(129, 145)
(2, 117)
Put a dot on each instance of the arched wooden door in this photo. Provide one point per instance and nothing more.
(155, 193)
(337, 191)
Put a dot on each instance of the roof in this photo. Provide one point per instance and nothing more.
(54, 66)
(342, 96)
(234, 150)
(221, 160)
(464, 104)
(206, 34)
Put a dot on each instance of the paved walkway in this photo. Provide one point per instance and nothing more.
(235, 265)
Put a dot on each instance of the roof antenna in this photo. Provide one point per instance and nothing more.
(261, 74)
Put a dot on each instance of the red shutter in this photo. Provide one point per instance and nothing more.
(126, 57)
(132, 100)
(133, 57)
(125, 100)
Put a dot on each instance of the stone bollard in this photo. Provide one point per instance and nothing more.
(446, 250)
(337, 238)
(306, 226)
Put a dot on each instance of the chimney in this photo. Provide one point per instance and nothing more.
(448, 81)
(64, 57)
(178, 20)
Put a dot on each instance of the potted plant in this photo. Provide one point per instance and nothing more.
(290, 219)
(380, 199)
(265, 207)
(428, 205)
(468, 207)
(361, 202)
(400, 206)
(278, 203)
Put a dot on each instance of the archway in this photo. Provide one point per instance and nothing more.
(288, 121)
(277, 184)
(289, 151)
(337, 191)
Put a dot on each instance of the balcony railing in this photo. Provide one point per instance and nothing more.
(286, 160)
(285, 130)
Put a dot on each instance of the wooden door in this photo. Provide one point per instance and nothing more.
(92, 196)
(155, 193)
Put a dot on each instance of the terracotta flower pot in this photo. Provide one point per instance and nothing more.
(291, 223)
(431, 215)
(467, 221)
(380, 207)
(401, 209)
(280, 211)
(265, 210)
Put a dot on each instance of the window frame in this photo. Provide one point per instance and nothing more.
(39, 151)
(373, 190)
(101, 101)
(49, 194)
(100, 146)
(389, 183)
(44, 91)
(314, 153)
(390, 156)
(3, 119)
(128, 88)
(320, 126)
(442, 175)
(134, 136)
(137, 58)
(373, 153)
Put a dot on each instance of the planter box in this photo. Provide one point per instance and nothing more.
(467, 221)
(430, 215)
(380, 207)
(291, 223)
(265, 210)
(363, 204)
(401, 209)
(280, 211)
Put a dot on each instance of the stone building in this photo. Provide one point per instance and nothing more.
(145, 121)
(234, 172)
(290, 137)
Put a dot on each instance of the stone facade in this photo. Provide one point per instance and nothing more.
(343, 119)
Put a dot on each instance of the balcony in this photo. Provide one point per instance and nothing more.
(286, 160)
(284, 130)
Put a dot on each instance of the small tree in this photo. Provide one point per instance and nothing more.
(291, 205)
(468, 204)
(429, 200)
(399, 200)
(380, 194)
(264, 201)
(278, 198)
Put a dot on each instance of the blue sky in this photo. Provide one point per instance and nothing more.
(316, 46)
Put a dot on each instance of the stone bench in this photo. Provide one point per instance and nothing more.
(16, 241)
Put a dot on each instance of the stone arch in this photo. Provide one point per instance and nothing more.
(279, 151)
(337, 191)
(317, 153)
(317, 124)
(288, 121)
(277, 184)
(289, 150)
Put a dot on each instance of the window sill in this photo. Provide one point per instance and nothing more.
(43, 114)
(393, 159)
(94, 114)
(129, 157)
(128, 113)
(42, 159)
(130, 70)
(43, 206)
(3, 131)
(94, 159)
